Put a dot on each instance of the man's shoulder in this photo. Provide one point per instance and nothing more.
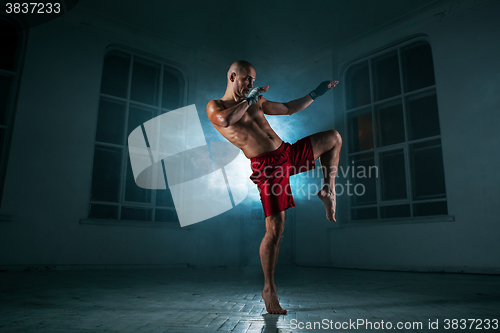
(219, 104)
(214, 104)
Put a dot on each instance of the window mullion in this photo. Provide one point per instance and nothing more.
(409, 189)
(125, 151)
(361, 152)
(378, 185)
(374, 132)
(346, 128)
(425, 139)
(406, 150)
(158, 113)
(160, 95)
(419, 91)
(392, 147)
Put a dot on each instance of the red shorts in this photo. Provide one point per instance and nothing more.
(272, 170)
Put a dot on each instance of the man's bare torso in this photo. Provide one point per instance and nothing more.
(252, 133)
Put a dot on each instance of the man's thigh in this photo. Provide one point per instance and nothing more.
(301, 156)
(323, 142)
(275, 220)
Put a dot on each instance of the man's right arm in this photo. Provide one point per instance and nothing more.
(225, 117)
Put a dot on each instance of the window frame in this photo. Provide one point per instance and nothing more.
(164, 65)
(11, 106)
(377, 149)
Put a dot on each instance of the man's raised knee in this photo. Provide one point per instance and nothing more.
(335, 137)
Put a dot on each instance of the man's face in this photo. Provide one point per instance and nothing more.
(243, 82)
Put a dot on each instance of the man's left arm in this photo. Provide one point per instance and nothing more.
(289, 108)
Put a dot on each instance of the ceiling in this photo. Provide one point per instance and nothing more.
(272, 28)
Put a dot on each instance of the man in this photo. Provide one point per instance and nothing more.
(240, 119)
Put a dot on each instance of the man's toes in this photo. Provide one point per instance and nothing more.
(277, 311)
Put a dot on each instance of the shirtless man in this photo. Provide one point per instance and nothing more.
(240, 119)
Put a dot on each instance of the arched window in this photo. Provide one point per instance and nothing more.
(134, 89)
(394, 134)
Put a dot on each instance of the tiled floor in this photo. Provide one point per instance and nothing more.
(228, 300)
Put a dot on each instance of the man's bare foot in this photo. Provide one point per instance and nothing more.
(330, 202)
(272, 303)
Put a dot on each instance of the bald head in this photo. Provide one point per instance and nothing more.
(240, 78)
(237, 67)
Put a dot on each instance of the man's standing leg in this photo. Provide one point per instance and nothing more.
(269, 249)
(326, 146)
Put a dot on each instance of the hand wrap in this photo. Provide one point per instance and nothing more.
(321, 90)
(253, 96)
